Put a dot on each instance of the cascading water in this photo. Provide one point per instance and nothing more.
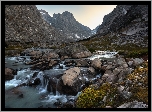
(22, 76)
(38, 95)
(57, 93)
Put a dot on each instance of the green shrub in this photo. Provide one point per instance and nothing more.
(92, 98)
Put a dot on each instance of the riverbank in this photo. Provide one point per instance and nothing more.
(61, 80)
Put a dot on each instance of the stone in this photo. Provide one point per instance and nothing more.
(82, 63)
(125, 65)
(53, 55)
(82, 54)
(137, 61)
(20, 96)
(92, 70)
(70, 75)
(96, 63)
(134, 104)
(8, 74)
(75, 51)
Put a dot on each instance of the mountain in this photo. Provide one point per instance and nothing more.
(127, 22)
(25, 27)
(66, 23)
(94, 31)
(125, 28)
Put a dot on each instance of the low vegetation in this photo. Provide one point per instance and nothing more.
(107, 43)
(107, 94)
(93, 98)
(140, 79)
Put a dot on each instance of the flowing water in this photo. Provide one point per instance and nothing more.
(33, 97)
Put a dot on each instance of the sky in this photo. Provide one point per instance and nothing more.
(88, 15)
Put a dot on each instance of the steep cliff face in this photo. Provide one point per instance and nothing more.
(67, 24)
(24, 25)
(122, 16)
(125, 28)
(109, 18)
(94, 31)
(128, 23)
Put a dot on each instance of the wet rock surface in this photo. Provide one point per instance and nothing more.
(9, 73)
(72, 80)
(64, 76)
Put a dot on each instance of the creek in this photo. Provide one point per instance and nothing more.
(18, 94)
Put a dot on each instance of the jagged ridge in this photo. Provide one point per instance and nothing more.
(68, 25)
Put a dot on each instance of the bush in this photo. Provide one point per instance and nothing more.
(91, 50)
(92, 98)
(140, 93)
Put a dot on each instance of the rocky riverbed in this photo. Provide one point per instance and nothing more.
(45, 78)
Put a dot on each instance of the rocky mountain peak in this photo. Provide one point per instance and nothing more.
(67, 14)
(24, 26)
(127, 24)
(67, 24)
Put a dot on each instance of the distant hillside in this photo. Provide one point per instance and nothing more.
(125, 28)
(25, 27)
(129, 23)
(67, 24)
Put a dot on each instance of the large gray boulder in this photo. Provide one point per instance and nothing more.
(9, 73)
(70, 76)
(74, 51)
(75, 80)
(96, 63)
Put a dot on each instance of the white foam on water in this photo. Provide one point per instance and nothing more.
(42, 90)
(12, 83)
(54, 98)
(23, 76)
(98, 76)
(11, 58)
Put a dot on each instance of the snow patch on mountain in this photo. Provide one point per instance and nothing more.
(77, 36)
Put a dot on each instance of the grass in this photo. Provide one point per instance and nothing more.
(105, 43)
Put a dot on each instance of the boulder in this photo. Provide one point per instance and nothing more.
(74, 51)
(82, 63)
(70, 75)
(64, 57)
(92, 70)
(120, 61)
(69, 63)
(75, 80)
(134, 104)
(9, 74)
(137, 61)
(96, 63)
(35, 53)
(109, 78)
(35, 81)
(52, 55)
(83, 54)
(52, 63)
